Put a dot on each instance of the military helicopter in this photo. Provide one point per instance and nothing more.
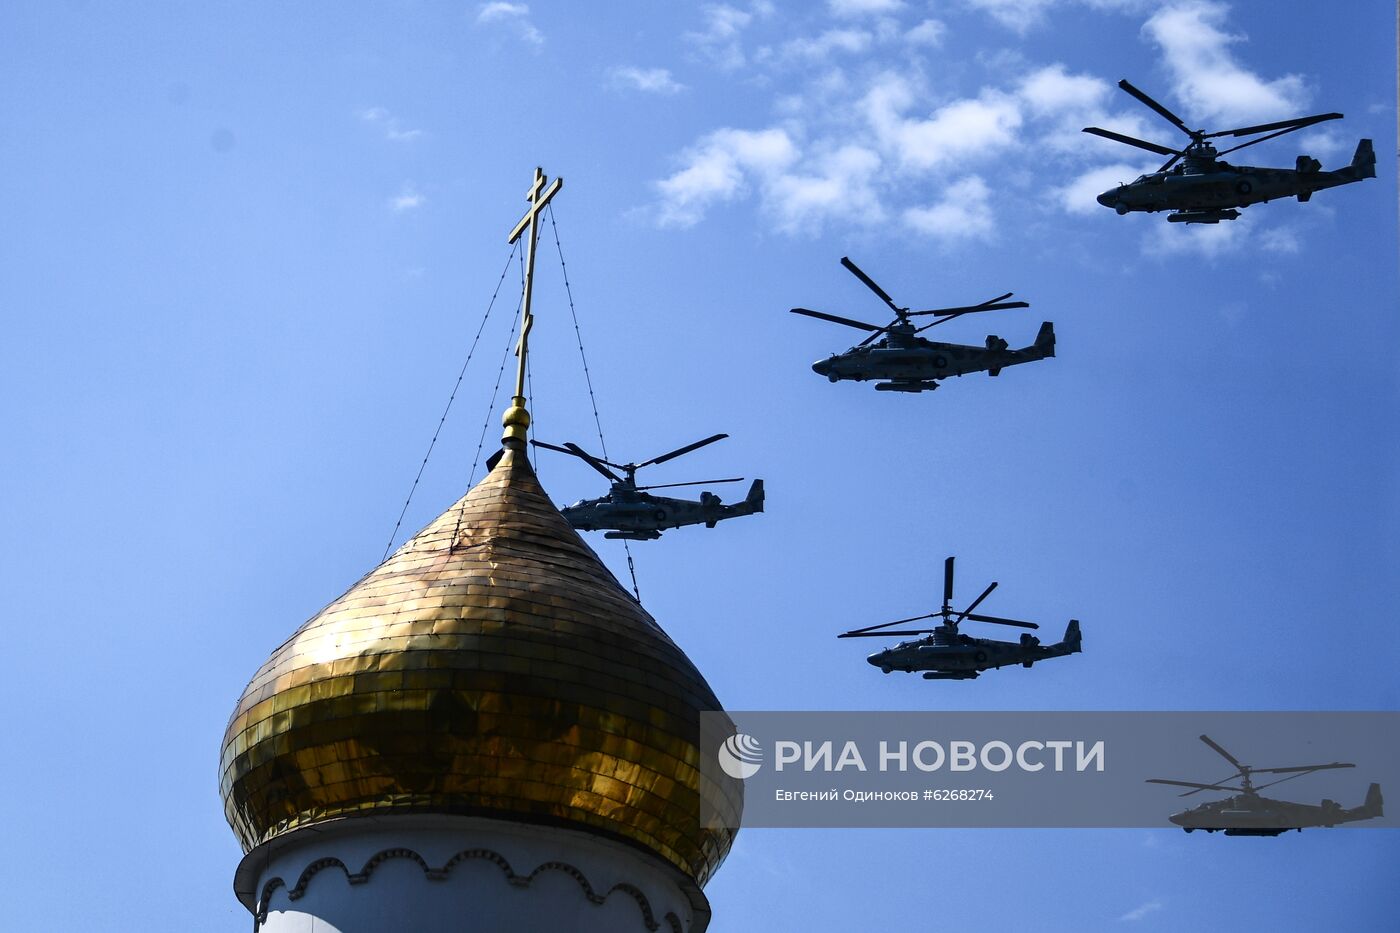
(631, 513)
(912, 363)
(1203, 189)
(1249, 814)
(946, 654)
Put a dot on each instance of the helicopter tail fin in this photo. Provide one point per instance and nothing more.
(1045, 339)
(1374, 805)
(754, 500)
(1072, 638)
(1363, 163)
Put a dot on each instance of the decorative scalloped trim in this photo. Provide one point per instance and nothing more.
(441, 874)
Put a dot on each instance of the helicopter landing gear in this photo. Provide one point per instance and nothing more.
(832, 377)
(885, 670)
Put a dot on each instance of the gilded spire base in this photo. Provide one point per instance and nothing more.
(517, 424)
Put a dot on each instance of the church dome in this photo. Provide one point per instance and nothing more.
(492, 667)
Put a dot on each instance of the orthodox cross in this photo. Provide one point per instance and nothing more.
(516, 418)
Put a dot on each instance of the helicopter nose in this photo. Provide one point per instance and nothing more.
(1178, 818)
(877, 658)
(1108, 198)
(821, 367)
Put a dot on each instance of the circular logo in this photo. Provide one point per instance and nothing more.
(740, 756)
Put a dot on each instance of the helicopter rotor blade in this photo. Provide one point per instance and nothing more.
(1131, 141)
(1191, 784)
(683, 450)
(997, 620)
(960, 312)
(698, 482)
(948, 585)
(970, 309)
(821, 315)
(976, 602)
(870, 283)
(1172, 118)
(1169, 163)
(987, 302)
(562, 450)
(1262, 139)
(1335, 764)
(1224, 754)
(592, 461)
(1286, 126)
(872, 628)
(915, 631)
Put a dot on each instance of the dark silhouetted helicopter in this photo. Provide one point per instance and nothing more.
(1249, 814)
(946, 654)
(1203, 189)
(631, 513)
(914, 364)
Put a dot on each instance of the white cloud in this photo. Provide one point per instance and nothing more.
(386, 122)
(1022, 15)
(1210, 241)
(864, 7)
(1078, 196)
(841, 189)
(928, 33)
(1280, 240)
(852, 142)
(649, 80)
(1019, 15)
(1206, 76)
(1137, 913)
(851, 41)
(1052, 90)
(724, 25)
(718, 169)
(964, 127)
(516, 14)
(407, 199)
(964, 212)
(1325, 144)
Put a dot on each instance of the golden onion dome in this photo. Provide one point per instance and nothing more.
(492, 666)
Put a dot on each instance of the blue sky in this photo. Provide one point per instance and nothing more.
(248, 246)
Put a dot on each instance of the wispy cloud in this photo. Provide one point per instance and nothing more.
(1208, 241)
(717, 169)
(851, 8)
(841, 188)
(647, 80)
(1206, 76)
(1078, 196)
(849, 41)
(1137, 913)
(928, 33)
(719, 39)
(863, 132)
(408, 199)
(1021, 16)
(516, 15)
(963, 213)
(388, 124)
(980, 125)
